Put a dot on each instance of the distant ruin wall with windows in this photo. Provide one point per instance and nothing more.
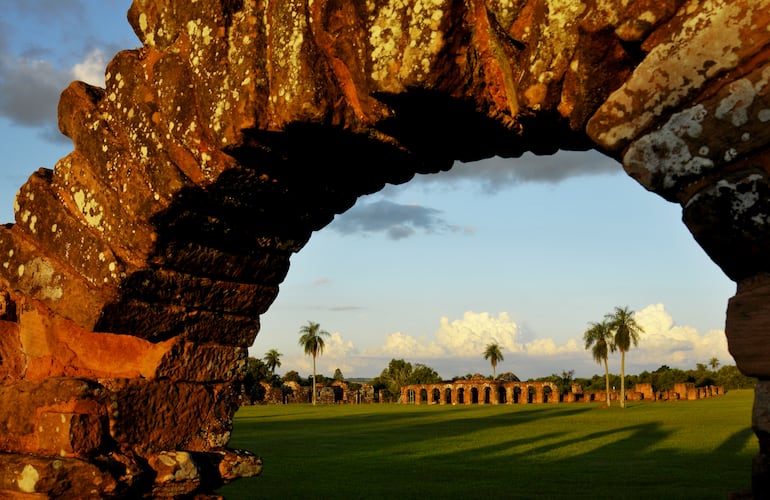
(478, 392)
(497, 392)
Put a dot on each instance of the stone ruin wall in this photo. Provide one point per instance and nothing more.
(496, 392)
(132, 280)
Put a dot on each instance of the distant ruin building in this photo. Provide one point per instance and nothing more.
(336, 393)
(494, 392)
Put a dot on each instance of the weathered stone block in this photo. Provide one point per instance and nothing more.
(70, 434)
(176, 473)
(30, 411)
(12, 359)
(54, 346)
(748, 327)
(153, 416)
(24, 476)
(196, 362)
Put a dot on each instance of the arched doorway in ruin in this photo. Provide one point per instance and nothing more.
(448, 396)
(194, 200)
(461, 395)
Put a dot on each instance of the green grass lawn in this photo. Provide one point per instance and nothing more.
(684, 449)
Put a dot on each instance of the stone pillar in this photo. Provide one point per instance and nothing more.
(760, 423)
(748, 327)
(509, 395)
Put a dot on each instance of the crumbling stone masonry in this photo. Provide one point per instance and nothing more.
(486, 391)
(133, 278)
(480, 391)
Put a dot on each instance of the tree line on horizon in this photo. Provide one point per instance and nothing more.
(617, 332)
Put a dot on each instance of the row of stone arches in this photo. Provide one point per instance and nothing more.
(486, 392)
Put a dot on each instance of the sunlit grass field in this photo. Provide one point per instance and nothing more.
(680, 449)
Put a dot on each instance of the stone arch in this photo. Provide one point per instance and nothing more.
(531, 394)
(549, 394)
(192, 202)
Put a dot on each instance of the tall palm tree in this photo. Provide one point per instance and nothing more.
(714, 363)
(272, 360)
(312, 341)
(626, 331)
(598, 338)
(494, 354)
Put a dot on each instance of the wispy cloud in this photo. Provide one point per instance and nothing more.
(33, 77)
(399, 220)
(494, 174)
(47, 9)
(396, 220)
(29, 91)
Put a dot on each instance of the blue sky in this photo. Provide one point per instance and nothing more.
(524, 251)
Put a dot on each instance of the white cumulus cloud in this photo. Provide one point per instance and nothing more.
(665, 342)
(91, 69)
(401, 345)
(467, 337)
(547, 347)
(471, 334)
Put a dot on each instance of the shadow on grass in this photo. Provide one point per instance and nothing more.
(494, 451)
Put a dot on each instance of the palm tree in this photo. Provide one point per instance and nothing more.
(312, 341)
(598, 338)
(627, 331)
(494, 354)
(714, 363)
(272, 360)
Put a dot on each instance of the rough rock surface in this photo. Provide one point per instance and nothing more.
(133, 278)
